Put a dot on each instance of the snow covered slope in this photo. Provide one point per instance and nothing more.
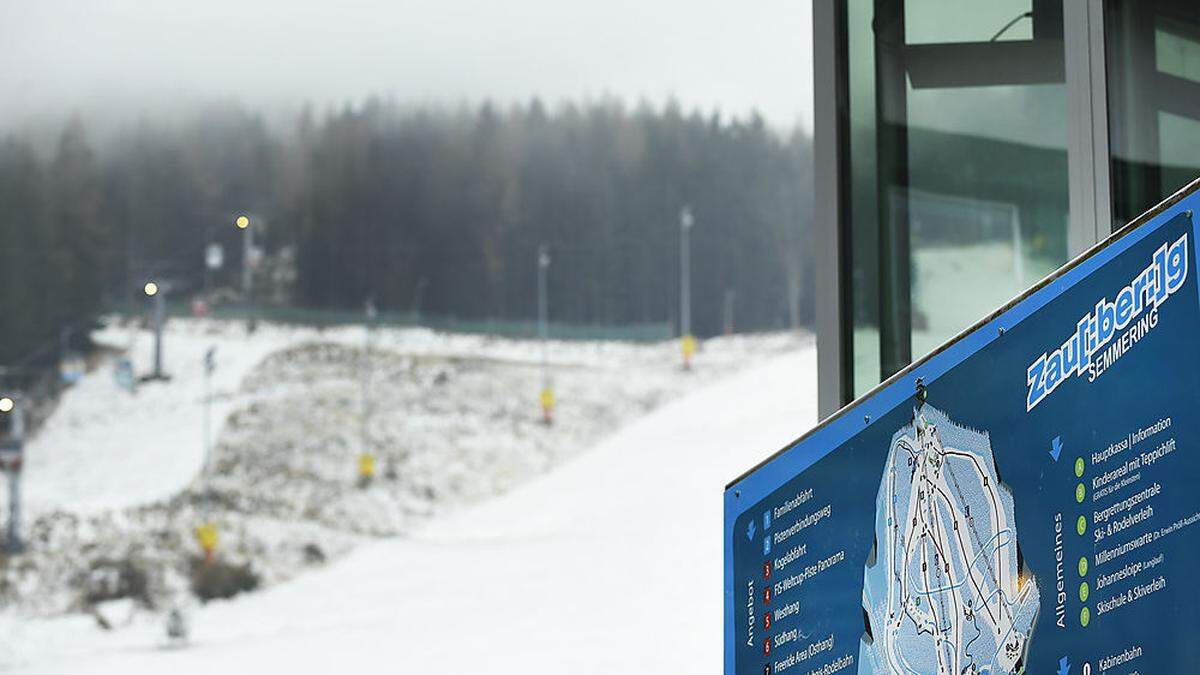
(107, 448)
(612, 563)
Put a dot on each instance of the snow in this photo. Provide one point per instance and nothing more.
(609, 562)
(107, 448)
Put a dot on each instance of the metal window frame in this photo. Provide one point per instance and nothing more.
(835, 358)
(1088, 166)
(1089, 170)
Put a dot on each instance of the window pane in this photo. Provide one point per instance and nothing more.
(986, 201)
(958, 180)
(932, 21)
(863, 216)
(1153, 66)
(970, 255)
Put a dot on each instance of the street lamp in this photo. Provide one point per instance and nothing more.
(242, 222)
(547, 395)
(12, 455)
(687, 341)
(158, 293)
(250, 260)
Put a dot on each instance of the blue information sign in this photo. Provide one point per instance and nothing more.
(1023, 500)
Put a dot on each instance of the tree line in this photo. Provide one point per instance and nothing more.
(440, 209)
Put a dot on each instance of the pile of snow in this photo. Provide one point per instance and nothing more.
(611, 563)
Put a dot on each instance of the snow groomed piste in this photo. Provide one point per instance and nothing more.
(1012, 503)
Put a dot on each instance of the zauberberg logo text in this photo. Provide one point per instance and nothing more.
(1149, 289)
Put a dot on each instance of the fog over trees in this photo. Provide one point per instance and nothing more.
(445, 206)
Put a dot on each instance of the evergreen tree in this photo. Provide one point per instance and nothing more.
(396, 203)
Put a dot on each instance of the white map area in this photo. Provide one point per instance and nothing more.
(945, 591)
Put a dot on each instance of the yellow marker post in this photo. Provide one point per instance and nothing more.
(547, 400)
(206, 536)
(687, 345)
(366, 467)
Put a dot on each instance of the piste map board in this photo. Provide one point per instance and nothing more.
(1026, 499)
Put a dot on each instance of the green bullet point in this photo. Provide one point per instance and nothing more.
(1083, 567)
(1083, 592)
(1084, 617)
(1079, 467)
(1081, 525)
(1080, 493)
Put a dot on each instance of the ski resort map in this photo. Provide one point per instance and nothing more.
(946, 592)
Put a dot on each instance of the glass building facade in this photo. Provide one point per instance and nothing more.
(967, 148)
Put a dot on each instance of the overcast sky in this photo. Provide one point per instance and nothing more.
(131, 56)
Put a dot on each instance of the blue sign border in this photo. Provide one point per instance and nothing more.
(839, 428)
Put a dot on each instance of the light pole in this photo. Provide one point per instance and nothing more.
(210, 365)
(250, 259)
(243, 223)
(729, 298)
(687, 341)
(418, 296)
(547, 394)
(157, 293)
(12, 447)
(366, 458)
(206, 531)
